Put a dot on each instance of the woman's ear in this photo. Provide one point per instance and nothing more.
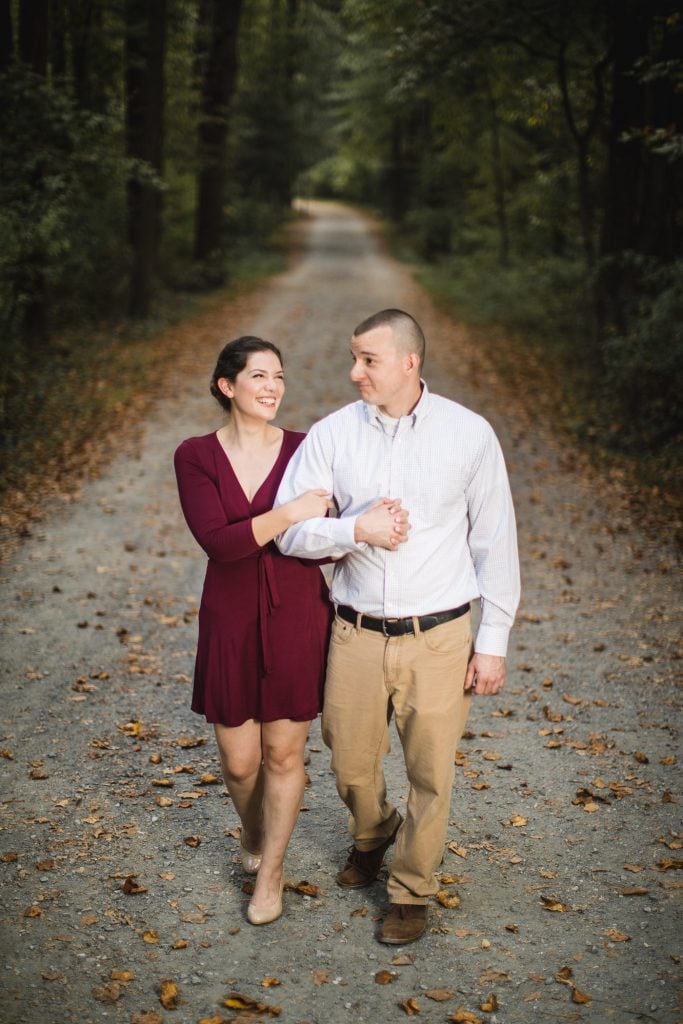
(224, 386)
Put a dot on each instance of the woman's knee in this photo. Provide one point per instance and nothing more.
(240, 769)
(283, 759)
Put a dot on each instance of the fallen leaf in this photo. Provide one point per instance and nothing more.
(359, 912)
(10, 857)
(616, 936)
(192, 841)
(550, 903)
(320, 977)
(564, 976)
(410, 1007)
(517, 820)
(181, 943)
(669, 865)
(130, 728)
(491, 755)
(459, 851)
(89, 919)
(580, 997)
(150, 1017)
(463, 1016)
(33, 911)
(131, 887)
(123, 976)
(188, 742)
(439, 995)
(491, 1004)
(169, 995)
(150, 937)
(304, 888)
(111, 992)
(634, 868)
(544, 873)
(236, 1001)
(634, 890)
(209, 779)
(641, 758)
(571, 700)
(403, 960)
(671, 759)
(386, 977)
(514, 928)
(450, 900)
(270, 982)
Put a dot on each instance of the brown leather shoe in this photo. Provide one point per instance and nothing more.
(362, 866)
(404, 923)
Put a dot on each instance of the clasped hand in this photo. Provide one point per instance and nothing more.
(384, 525)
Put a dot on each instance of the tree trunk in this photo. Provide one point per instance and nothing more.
(58, 39)
(642, 213)
(498, 177)
(6, 35)
(145, 24)
(33, 50)
(33, 34)
(217, 63)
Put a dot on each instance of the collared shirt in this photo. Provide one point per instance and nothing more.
(445, 464)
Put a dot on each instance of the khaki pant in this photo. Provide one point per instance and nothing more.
(420, 679)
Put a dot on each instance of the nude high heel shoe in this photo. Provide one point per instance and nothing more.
(271, 912)
(251, 862)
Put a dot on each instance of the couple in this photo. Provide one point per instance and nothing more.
(424, 524)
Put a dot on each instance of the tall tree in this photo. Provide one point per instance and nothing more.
(217, 35)
(145, 34)
(6, 34)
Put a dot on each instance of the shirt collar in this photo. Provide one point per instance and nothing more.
(372, 414)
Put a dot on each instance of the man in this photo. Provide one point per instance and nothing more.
(425, 525)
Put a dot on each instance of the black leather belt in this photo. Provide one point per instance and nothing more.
(400, 627)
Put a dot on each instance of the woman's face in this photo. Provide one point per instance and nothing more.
(257, 390)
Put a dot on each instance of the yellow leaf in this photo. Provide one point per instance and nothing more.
(169, 994)
(130, 728)
(517, 820)
(580, 997)
(150, 937)
(451, 900)
(410, 1007)
(491, 1004)
(459, 851)
(123, 976)
(179, 944)
(270, 982)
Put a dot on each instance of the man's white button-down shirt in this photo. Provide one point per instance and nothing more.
(445, 464)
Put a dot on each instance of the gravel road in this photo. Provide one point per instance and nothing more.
(122, 896)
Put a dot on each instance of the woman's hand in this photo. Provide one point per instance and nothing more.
(310, 505)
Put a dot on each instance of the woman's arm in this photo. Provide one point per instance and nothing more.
(205, 515)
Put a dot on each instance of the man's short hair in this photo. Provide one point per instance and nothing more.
(406, 328)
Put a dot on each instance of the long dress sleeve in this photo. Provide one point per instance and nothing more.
(204, 513)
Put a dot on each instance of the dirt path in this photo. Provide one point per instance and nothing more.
(564, 817)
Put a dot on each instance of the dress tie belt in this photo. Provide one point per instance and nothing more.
(400, 627)
(268, 598)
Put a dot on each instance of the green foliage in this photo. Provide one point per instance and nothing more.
(644, 362)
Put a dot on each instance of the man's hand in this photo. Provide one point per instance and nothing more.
(485, 674)
(384, 525)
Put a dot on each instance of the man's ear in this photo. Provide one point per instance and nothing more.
(412, 362)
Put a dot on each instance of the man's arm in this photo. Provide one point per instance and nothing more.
(383, 524)
(493, 545)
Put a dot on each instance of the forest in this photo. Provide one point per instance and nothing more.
(526, 157)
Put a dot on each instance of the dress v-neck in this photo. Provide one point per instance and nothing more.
(267, 477)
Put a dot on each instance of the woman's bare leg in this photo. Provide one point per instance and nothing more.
(284, 778)
(241, 757)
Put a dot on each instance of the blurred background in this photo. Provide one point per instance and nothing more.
(525, 156)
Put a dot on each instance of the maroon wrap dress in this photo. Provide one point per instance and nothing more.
(264, 618)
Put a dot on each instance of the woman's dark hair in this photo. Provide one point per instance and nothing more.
(232, 360)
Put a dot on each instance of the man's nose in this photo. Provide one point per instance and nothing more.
(356, 372)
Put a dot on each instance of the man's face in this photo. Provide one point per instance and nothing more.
(381, 371)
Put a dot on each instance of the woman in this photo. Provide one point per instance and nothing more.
(264, 618)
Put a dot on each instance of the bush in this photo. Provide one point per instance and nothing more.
(644, 362)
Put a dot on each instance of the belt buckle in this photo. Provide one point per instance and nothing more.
(384, 627)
